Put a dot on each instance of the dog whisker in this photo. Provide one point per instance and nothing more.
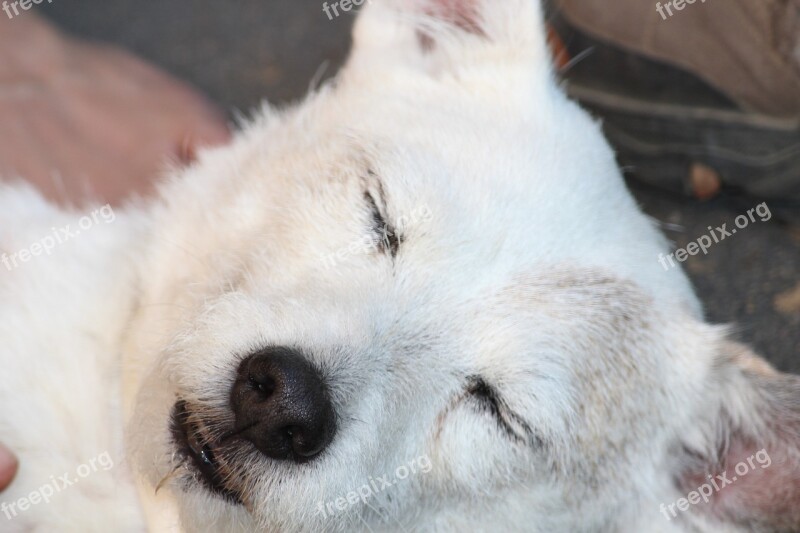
(236, 432)
(168, 477)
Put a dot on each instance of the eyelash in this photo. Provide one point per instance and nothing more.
(479, 389)
(389, 240)
(488, 398)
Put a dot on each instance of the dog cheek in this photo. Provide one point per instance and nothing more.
(471, 452)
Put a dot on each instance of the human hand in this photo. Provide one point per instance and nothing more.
(78, 118)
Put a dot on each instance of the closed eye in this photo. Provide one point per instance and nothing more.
(388, 239)
(486, 397)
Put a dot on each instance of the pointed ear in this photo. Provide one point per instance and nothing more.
(743, 460)
(441, 33)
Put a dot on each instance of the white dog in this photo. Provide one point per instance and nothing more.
(423, 300)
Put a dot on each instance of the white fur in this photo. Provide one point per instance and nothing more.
(535, 269)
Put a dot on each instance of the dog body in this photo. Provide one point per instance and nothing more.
(447, 242)
(63, 316)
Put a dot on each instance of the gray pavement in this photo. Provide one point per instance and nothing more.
(241, 51)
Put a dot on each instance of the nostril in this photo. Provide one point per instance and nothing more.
(302, 445)
(282, 402)
(265, 385)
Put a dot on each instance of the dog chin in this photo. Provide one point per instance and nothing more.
(201, 511)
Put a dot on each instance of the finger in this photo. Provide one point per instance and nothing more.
(22, 154)
(200, 137)
(8, 467)
(80, 170)
(210, 133)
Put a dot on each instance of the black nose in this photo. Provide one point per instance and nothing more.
(282, 405)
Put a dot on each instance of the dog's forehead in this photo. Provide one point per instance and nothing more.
(326, 157)
(472, 189)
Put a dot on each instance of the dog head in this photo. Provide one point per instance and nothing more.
(423, 298)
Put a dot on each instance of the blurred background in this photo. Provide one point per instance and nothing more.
(693, 155)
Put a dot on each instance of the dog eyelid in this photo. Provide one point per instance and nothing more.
(510, 423)
(388, 238)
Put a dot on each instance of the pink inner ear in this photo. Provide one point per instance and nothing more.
(753, 485)
(463, 13)
(768, 488)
